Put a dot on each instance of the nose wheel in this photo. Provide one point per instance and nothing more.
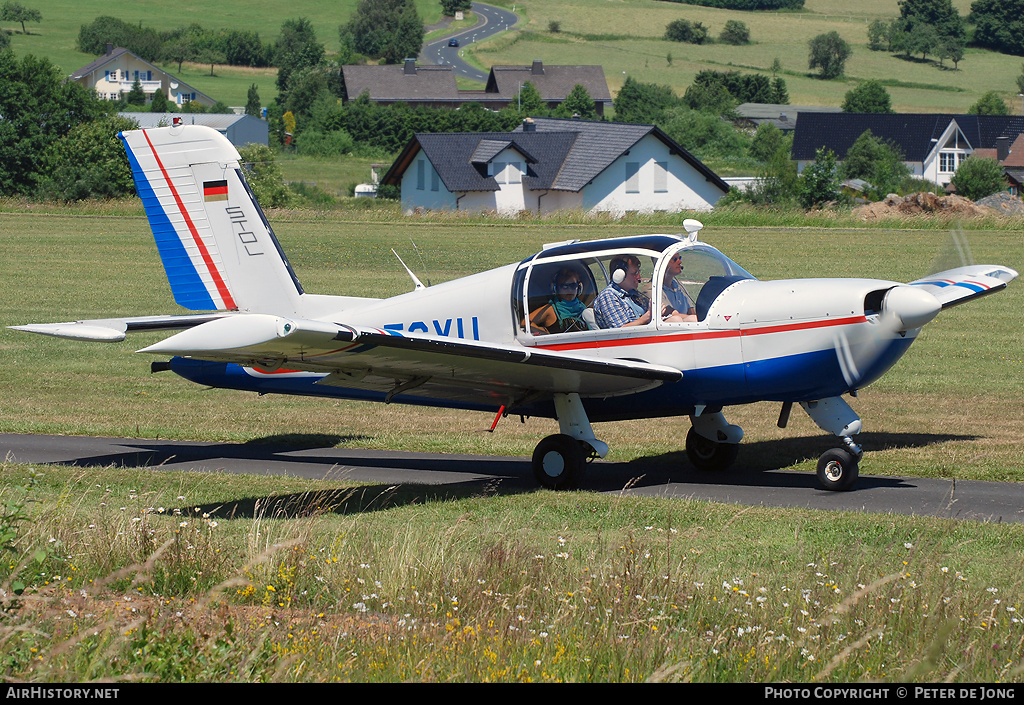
(838, 469)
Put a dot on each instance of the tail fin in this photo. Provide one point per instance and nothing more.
(217, 247)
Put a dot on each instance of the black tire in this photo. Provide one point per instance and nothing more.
(709, 455)
(558, 462)
(838, 470)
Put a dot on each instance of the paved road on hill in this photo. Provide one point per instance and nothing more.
(491, 21)
(452, 476)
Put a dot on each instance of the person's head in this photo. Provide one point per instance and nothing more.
(675, 266)
(567, 284)
(626, 272)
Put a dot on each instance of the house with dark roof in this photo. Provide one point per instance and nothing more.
(240, 130)
(548, 164)
(933, 145)
(435, 85)
(113, 75)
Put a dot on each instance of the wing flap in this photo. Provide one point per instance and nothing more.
(366, 358)
(958, 286)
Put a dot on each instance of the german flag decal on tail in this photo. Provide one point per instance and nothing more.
(215, 190)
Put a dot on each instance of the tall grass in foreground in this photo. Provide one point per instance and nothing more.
(148, 577)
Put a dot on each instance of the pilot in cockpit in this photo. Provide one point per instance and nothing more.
(677, 304)
(621, 304)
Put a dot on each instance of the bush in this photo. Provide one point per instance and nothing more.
(314, 143)
(977, 177)
(89, 162)
(819, 183)
(735, 32)
(264, 175)
(686, 31)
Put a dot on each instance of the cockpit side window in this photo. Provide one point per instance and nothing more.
(559, 296)
(693, 277)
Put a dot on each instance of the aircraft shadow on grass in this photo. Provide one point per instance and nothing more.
(760, 464)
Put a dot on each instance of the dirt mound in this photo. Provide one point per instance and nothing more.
(921, 203)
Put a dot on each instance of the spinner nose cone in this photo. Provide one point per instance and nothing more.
(910, 307)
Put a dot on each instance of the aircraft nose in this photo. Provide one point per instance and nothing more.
(910, 307)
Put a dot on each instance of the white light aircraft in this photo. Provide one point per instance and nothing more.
(523, 338)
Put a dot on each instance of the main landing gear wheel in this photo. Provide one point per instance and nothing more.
(710, 455)
(838, 469)
(558, 462)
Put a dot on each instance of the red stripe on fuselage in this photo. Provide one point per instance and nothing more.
(658, 338)
(218, 280)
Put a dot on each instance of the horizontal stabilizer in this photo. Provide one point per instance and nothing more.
(957, 286)
(113, 330)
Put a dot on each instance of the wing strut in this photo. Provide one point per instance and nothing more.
(405, 386)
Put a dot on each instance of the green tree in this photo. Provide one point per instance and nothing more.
(999, 25)
(386, 29)
(450, 7)
(16, 12)
(868, 97)
(252, 102)
(639, 102)
(136, 96)
(159, 104)
(529, 102)
(5, 41)
(264, 175)
(38, 108)
(578, 103)
(819, 183)
(828, 54)
(977, 177)
(990, 103)
(686, 31)
(89, 162)
(878, 163)
(767, 140)
(296, 49)
(735, 32)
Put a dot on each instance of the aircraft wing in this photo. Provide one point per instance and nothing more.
(957, 286)
(421, 365)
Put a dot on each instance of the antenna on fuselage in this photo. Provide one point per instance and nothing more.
(420, 255)
(417, 282)
(692, 227)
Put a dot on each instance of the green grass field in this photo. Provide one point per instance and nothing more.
(623, 36)
(165, 576)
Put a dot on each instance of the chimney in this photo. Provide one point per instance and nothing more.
(529, 125)
(538, 68)
(410, 67)
(110, 48)
(1002, 148)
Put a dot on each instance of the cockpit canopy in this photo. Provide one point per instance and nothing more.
(555, 290)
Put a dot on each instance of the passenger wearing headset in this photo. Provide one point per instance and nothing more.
(677, 306)
(564, 311)
(621, 304)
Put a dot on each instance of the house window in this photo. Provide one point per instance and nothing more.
(660, 177)
(435, 181)
(949, 161)
(498, 171)
(515, 173)
(632, 177)
(421, 174)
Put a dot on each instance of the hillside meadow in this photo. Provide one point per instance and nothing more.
(122, 574)
(624, 36)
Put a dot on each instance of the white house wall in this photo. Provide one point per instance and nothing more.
(679, 186)
(425, 190)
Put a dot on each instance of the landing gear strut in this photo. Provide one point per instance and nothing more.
(559, 460)
(712, 443)
(838, 468)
